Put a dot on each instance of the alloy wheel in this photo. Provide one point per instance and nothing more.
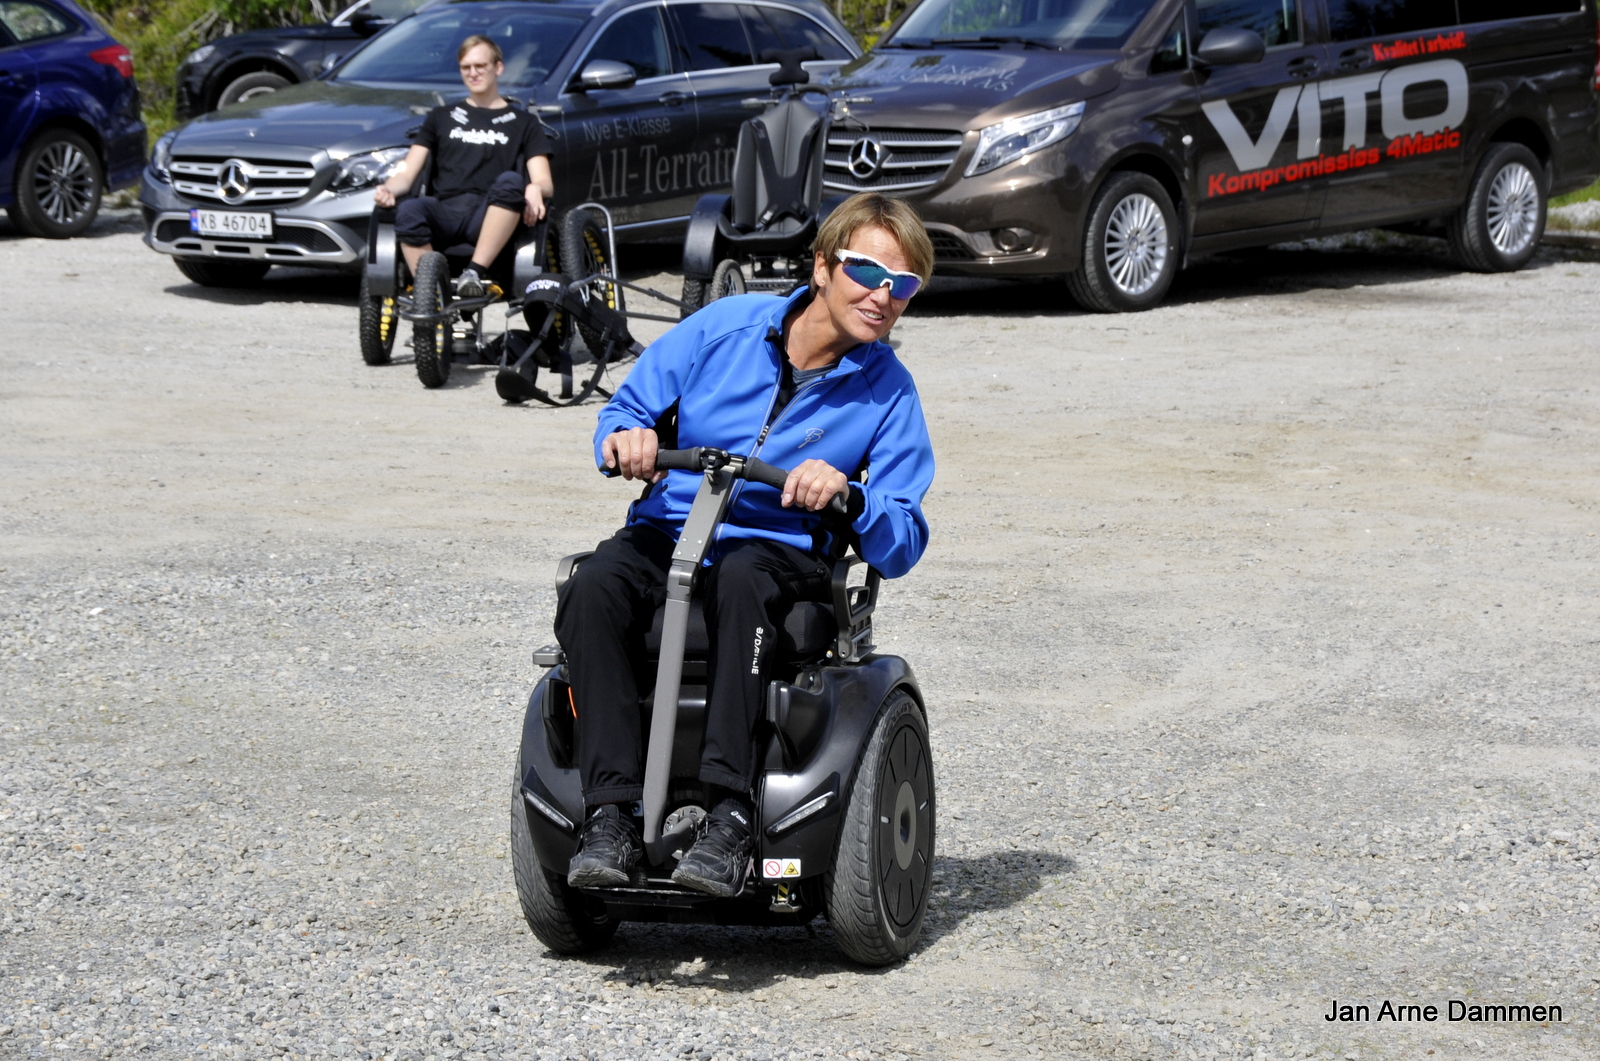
(63, 183)
(1136, 244)
(1513, 209)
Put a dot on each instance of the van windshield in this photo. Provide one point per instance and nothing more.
(1085, 24)
(422, 50)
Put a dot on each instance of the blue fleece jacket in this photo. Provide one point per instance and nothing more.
(724, 374)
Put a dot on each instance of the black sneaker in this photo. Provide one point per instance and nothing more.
(608, 848)
(717, 861)
(469, 284)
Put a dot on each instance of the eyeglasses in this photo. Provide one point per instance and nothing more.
(872, 274)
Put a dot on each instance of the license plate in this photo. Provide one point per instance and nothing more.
(235, 223)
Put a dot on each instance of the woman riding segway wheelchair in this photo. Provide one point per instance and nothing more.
(788, 771)
(487, 198)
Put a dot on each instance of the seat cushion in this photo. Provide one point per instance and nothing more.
(808, 631)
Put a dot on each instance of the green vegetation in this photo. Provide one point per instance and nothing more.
(1582, 195)
(160, 33)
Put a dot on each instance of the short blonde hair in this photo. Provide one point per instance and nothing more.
(475, 40)
(895, 216)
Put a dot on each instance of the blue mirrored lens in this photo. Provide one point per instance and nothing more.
(870, 275)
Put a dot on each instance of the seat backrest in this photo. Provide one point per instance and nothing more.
(778, 166)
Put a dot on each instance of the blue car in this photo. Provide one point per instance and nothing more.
(69, 117)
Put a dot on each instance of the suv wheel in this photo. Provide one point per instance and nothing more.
(1499, 226)
(1130, 246)
(59, 185)
(249, 86)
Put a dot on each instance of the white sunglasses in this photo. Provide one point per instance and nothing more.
(872, 274)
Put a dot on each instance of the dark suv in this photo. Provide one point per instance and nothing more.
(1109, 140)
(643, 101)
(245, 65)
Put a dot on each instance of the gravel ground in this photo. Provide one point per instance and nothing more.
(1258, 633)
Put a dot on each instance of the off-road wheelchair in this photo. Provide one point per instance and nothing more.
(448, 330)
(845, 804)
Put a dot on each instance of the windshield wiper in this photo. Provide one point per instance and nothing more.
(1026, 42)
(963, 41)
(983, 41)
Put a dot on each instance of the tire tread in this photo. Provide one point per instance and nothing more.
(546, 904)
(431, 287)
(853, 905)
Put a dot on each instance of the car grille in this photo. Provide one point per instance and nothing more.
(908, 159)
(946, 246)
(312, 239)
(240, 181)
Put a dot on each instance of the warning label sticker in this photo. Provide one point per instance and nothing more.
(776, 868)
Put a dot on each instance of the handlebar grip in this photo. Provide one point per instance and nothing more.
(679, 460)
(759, 471)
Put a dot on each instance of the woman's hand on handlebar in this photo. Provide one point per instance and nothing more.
(633, 453)
(812, 484)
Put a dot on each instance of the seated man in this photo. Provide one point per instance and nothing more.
(480, 189)
(805, 383)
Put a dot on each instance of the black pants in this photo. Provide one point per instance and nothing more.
(458, 219)
(602, 617)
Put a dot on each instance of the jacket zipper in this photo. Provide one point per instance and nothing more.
(762, 438)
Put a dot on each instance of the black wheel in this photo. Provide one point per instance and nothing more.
(58, 186)
(250, 86)
(209, 272)
(877, 889)
(693, 297)
(727, 280)
(1130, 246)
(585, 252)
(1499, 227)
(562, 918)
(430, 340)
(378, 325)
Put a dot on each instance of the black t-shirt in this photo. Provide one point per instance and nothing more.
(471, 146)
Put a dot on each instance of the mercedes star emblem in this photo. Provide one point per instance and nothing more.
(866, 158)
(233, 182)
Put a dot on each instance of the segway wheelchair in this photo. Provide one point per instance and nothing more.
(759, 237)
(845, 805)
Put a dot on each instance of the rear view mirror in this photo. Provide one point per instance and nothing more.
(1230, 46)
(605, 73)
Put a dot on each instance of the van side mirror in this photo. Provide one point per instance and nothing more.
(1230, 46)
(364, 22)
(605, 73)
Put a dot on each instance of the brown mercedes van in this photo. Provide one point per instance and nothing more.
(1108, 141)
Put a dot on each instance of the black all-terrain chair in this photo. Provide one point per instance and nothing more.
(446, 330)
(759, 237)
(845, 805)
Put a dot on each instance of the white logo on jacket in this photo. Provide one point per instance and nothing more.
(480, 136)
(813, 434)
(509, 116)
(459, 115)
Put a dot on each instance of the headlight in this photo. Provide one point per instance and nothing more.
(1011, 139)
(364, 171)
(161, 157)
(200, 54)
